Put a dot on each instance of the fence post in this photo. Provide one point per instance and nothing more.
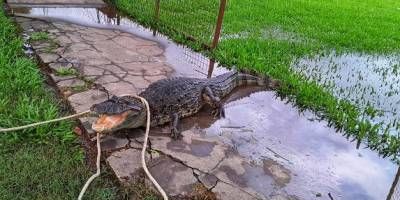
(156, 15)
(394, 185)
(217, 34)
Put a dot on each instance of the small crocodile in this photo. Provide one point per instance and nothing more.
(171, 99)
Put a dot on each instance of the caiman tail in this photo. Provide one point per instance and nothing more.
(223, 84)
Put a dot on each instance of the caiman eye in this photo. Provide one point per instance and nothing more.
(93, 108)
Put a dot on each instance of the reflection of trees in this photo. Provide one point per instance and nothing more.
(105, 15)
(109, 11)
(21, 10)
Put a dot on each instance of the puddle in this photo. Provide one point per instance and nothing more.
(362, 79)
(270, 33)
(290, 152)
(275, 136)
(276, 33)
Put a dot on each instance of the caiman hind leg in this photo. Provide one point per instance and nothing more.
(214, 102)
(175, 133)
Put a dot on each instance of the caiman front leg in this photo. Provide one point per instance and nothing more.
(214, 102)
(175, 133)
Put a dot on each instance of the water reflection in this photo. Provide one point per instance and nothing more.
(104, 15)
(319, 159)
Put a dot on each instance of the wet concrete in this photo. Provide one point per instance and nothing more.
(263, 149)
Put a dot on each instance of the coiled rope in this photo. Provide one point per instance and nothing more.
(143, 153)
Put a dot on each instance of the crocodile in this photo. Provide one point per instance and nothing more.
(170, 100)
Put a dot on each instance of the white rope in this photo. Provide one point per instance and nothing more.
(143, 155)
(97, 172)
(146, 137)
(44, 122)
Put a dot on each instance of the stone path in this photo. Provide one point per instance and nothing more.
(83, 60)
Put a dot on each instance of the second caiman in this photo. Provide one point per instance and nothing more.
(171, 99)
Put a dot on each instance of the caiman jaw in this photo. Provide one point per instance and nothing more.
(110, 123)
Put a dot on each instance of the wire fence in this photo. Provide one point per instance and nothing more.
(197, 24)
(180, 19)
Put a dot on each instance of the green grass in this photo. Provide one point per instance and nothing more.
(49, 171)
(37, 36)
(266, 36)
(66, 72)
(44, 162)
(44, 36)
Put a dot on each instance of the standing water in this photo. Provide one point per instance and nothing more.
(365, 80)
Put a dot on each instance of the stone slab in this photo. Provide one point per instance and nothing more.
(225, 191)
(125, 164)
(201, 153)
(82, 101)
(112, 142)
(174, 177)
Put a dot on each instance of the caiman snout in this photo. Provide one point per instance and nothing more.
(110, 123)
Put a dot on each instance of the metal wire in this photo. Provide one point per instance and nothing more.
(176, 19)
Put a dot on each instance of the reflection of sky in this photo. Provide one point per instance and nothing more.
(81, 14)
(323, 160)
(362, 79)
(367, 172)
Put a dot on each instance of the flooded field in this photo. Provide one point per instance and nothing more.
(289, 153)
(365, 80)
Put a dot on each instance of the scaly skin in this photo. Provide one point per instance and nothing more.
(171, 99)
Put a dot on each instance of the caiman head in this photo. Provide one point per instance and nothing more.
(118, 113)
